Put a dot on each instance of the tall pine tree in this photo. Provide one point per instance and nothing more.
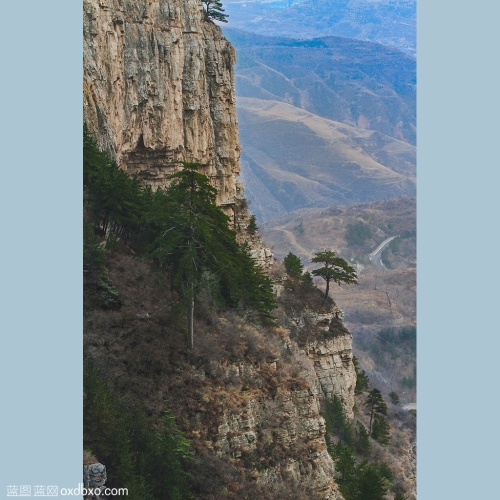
(293, 265)
(194, 236)
(376, 404)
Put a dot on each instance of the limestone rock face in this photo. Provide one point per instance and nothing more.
(331, 356)
(334, 368)
(158, 89)
(290, 421)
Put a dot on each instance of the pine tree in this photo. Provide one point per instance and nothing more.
(194, 236)
(148, 460)
(195, 245)
(334, 269)
(293, 266)
(252, 225)
(247, 287)
(337, 422)
(376, 404)
(214, 10)
(362, 380)
(307, 280)
(170, 450)
(394, 397)
(344, 462)
(113, 200)
(371, 485)
(363, 445)
(381, 429)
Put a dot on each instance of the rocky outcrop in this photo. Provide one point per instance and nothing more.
(282, 440)
(330, 353)
(332, 357)
(94, 478)
(334, 369)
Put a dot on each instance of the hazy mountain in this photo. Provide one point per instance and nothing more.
(359, 83)
(389, 22)
(323, 122)
(292, 158)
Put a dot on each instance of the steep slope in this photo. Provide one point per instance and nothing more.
(248, 398)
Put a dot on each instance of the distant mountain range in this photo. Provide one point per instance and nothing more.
(359, 83)
(323, 122)
(388, 22)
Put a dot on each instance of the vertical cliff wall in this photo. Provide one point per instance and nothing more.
(158, 89)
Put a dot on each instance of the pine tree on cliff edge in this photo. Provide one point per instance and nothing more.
(334, 269)
(214, 10)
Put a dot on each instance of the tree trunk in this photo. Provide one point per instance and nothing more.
(327, 288)
(191, 323)
(389, 300)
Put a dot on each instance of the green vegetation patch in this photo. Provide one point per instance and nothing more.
(148, 457)
(179, 229)
(356, 234)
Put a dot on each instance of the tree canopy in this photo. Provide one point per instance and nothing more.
(214, 10)
(194, 236)
(293, 265)
(196, 245)
(376, 404)
(334, 269)
(252, 225)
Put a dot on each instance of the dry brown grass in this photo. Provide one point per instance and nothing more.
(88, 458)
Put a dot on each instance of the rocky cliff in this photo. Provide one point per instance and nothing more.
(158, 90)
(284, 435)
